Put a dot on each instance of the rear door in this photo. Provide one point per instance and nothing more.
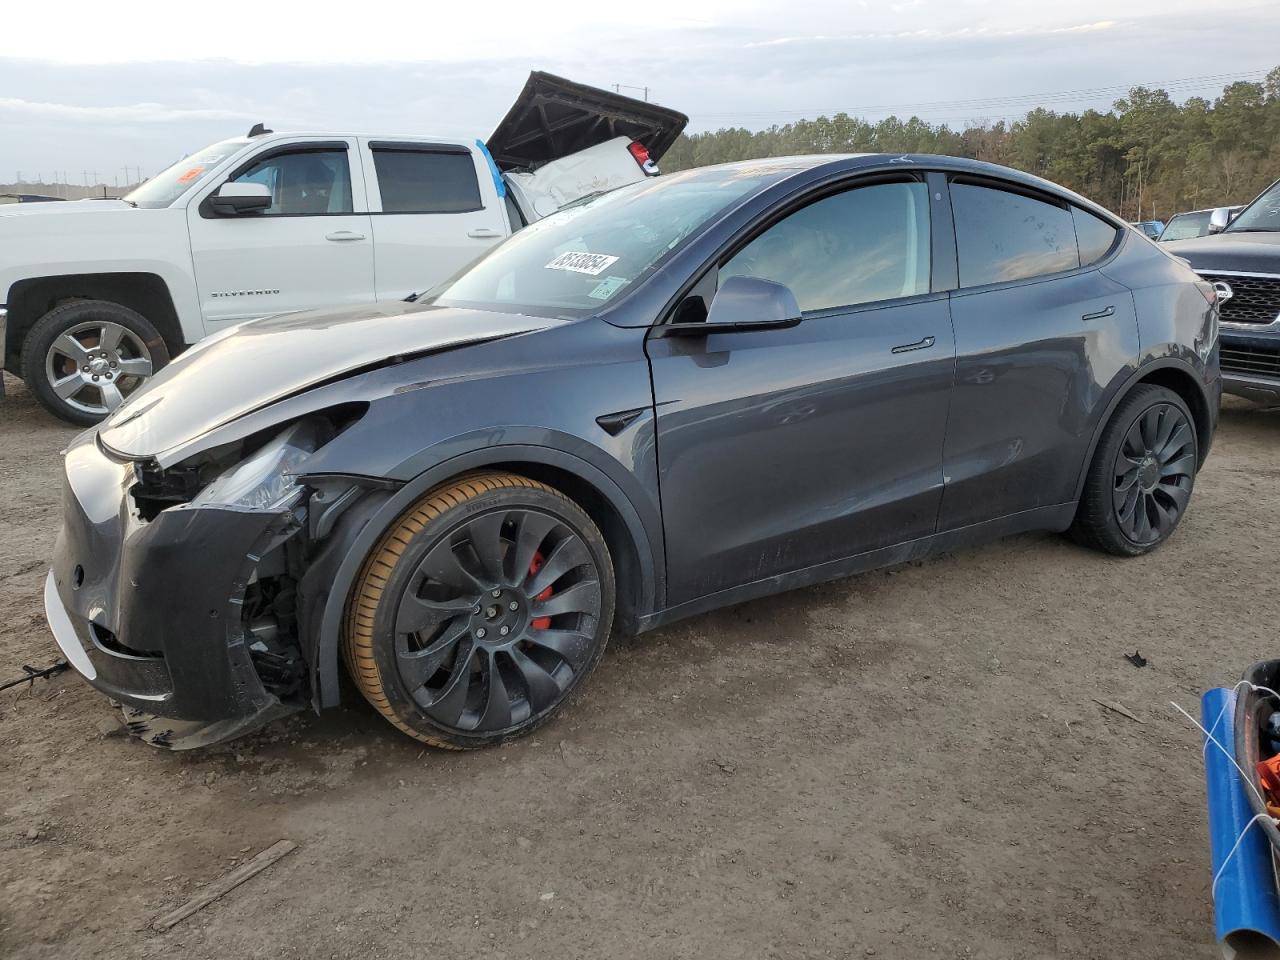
(785, 449)
(434, 207)
(312, 248)
(1040, 341)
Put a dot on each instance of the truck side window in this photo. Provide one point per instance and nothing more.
(426, 181)
(305, 182)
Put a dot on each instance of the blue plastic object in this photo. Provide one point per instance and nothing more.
(499, 184)
(1246, 905)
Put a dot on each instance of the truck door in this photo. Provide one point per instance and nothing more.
(310, 248)
(435, 208)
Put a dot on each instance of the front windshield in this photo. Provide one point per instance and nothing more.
(575, 261)
(1261, 215)
(171, 183)
(1186, 225)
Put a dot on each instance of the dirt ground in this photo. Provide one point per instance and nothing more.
(904, 764)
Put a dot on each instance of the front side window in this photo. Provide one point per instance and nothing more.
(304, 182)
(422, 181)
(863, 245)
(1002, 236)
(1261, 216)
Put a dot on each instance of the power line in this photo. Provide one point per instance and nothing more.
(986, 103)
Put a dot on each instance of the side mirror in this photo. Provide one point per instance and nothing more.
(233, 199)
(742, 304)
(1219, 219)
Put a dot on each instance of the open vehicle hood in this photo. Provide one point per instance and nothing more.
(553, 117)
(1246, 252)
(264, 361)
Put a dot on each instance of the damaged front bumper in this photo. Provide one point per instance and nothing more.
(152, 612)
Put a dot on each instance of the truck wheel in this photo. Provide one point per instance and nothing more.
(82, 359)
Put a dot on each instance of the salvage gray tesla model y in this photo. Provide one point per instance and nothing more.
(685, 393)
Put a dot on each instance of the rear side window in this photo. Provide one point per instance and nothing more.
(1002, 236)
(422, 181)
(1094, 236)
(866, 244)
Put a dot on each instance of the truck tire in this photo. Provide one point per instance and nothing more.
(83, 358)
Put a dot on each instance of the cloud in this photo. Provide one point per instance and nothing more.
(961, 33)
(133, 113)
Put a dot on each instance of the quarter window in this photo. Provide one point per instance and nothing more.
(1094, 236)
(305, 182)
(867, 244)
(1001, 235)
(426, 181)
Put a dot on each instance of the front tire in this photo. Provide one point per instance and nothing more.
(84, 358)
(1140, 481)
(480, 612)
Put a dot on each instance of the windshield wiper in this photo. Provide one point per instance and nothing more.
(412, 298)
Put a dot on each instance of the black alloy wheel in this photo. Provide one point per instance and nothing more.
(497, 605)
(1154, 470)
(1139, 483)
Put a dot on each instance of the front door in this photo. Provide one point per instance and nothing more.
(309, 249)
(783, 449)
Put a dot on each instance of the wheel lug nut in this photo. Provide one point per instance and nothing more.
(504, 630)
(95, 378)
(476, 609)
(513, 605)
(496, 594)
(480, 633)
(114, 364)
(85, 368)
(108, 376)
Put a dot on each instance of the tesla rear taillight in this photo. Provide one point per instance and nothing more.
(639, 151)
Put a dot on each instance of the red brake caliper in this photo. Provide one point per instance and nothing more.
(539, 623)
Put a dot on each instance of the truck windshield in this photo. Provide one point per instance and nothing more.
(169, 184)
(574, 262)
(1261, 216)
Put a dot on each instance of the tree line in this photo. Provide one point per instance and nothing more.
(1146, 158)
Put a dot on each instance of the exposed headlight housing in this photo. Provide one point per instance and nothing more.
(265, 480)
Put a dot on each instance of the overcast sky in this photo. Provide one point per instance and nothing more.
(93, 89)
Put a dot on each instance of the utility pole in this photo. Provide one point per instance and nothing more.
(618, 88)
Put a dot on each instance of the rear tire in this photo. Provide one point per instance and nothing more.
(1140, 480)
(84, 358)
(480, 612)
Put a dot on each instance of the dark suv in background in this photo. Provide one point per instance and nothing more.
(1242, 259)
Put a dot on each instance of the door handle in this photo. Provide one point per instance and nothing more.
(483, 233)
(1099, 314)
(341, 235)
(924, 343)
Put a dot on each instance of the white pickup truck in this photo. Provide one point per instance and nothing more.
(96, 295)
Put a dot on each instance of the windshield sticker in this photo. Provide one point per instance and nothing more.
(592, 264)
(607, 287)
(191, 174)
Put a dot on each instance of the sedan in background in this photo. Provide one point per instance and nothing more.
(1194, 223)
(667, 398)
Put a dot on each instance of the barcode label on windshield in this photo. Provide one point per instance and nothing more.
(588, 263)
